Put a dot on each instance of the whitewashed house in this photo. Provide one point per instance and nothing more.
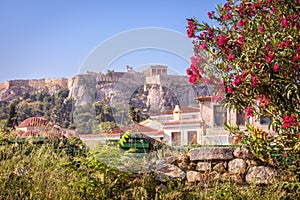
(181, 126)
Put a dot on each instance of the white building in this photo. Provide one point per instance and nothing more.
(181, 126)
(191, 125)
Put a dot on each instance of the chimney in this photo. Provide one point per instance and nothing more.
(177, 113)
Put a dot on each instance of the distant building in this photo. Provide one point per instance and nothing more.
(156, 70)
(214, 115)
(41, 127)
(181, 126)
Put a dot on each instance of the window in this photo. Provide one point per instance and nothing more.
(176, 138)
(220, 115)
(240, 119)
(265, 120)
(192, 137)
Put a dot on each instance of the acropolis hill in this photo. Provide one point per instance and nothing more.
(93, 86)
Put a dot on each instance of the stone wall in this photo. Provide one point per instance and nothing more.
(205, 165)
(34, 83)
(46, 82)
(17, 83)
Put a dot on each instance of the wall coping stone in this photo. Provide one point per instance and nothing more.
(211, 153)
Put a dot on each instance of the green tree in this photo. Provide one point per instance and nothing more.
(134, 114)
(107, 126)
(12, 120)
(2, 126)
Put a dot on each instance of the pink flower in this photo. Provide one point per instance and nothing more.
(293, 120)
(192, 79)
(242, 22)
(228, 16)
(191, 22)
(281, 45)
(295, 58)
(191, 28)
(222, 40)
(238, 138)
(254, 82)
(261, 29)
(189, 72)
(286, 119)
(231, 57)
(289, 121)
(190, 32)
(285, 126)
(241, 39)
(270, 57)
(202, 46)
(276, 68)
(203, 34)
(288, 43)
(210, 14)
(284, 22)
(237, 81)
(249, 112)
(229, 89)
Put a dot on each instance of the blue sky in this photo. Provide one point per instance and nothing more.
(51, 39)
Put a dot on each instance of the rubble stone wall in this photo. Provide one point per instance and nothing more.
(204, 165)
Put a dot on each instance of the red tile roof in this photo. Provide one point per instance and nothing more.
(204, 98)
(185, 109)
(41, 127)
(138, 128)
(189, 109)
(34, 122)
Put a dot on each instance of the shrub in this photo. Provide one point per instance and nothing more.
(255, 50)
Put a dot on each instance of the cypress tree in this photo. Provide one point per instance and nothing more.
(12, 119)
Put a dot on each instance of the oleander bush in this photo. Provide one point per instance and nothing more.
(253, 48)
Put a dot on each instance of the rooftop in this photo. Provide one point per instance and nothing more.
(34, 122)
(184, 109)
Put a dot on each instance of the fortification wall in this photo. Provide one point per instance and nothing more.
(63, 82)
(17, 83)
(35, 83)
